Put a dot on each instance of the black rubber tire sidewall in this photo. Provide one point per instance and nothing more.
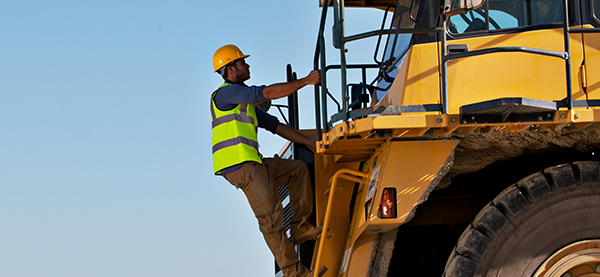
(529, 221)
(560, 218)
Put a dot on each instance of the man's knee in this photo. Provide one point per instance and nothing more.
(299, 167)
(271, 223)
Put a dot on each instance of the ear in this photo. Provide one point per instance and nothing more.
(231, 69)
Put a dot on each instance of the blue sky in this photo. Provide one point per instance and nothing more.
(105, 163)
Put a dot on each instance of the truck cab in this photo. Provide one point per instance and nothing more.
(472, 152)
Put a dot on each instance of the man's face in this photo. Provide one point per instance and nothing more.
(242, 70)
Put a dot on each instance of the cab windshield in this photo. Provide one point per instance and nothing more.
(505, 14)
(405, 17)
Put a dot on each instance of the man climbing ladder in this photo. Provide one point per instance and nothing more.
(235, 119)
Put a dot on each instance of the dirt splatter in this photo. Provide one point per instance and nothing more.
(478, 150)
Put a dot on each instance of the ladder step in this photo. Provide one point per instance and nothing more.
(503, 110)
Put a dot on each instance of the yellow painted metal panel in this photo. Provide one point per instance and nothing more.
(482, 78)
(367, 134)
(360, 256)
(592, 64)
(413, 168)
(418, 80)
(325, 168)
(491, 76)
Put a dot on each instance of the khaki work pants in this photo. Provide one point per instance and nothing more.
(259, 182)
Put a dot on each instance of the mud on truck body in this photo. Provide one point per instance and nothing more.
(472, 151)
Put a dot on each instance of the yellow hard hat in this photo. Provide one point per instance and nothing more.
(227, 54)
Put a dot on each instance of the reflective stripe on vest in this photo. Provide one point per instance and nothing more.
(234, 135)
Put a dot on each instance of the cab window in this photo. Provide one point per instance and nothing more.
(505, 14)
(404, 18)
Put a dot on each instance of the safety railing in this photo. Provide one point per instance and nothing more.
(321, 93)
(344, 173)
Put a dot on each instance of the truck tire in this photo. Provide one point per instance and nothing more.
(549, 218)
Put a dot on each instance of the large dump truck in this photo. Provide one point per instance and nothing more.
(473, 152)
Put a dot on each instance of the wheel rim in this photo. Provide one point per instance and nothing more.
(579, 259)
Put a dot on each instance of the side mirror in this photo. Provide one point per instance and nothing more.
(454, 7)
(360, 95)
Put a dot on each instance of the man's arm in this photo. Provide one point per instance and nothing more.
(280, 90)
(230, 96)
(292, 135)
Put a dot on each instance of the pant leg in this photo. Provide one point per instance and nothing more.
(294, 175)
(260, 188)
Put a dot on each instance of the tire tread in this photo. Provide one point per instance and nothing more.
(472, 244)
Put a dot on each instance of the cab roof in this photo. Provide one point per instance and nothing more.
(380, 4)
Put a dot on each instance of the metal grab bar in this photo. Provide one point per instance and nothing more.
(562, 55)
(347, 174)
(320, 59)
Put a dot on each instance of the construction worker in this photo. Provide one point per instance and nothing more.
(235, 119)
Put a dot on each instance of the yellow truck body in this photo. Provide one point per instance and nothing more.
(476, 153)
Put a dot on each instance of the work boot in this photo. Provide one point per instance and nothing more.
(312, 233)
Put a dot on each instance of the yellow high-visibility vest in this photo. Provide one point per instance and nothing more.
(234, 135)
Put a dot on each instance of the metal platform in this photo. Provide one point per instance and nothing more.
(506, 110)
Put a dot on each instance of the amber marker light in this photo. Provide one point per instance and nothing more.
(387, 207)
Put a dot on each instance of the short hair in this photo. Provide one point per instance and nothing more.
(223, 71)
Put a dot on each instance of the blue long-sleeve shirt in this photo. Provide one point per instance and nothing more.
(230, 96)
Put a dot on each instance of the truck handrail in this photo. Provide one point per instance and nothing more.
(348, 174)
(320, 61)
(561, 55)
